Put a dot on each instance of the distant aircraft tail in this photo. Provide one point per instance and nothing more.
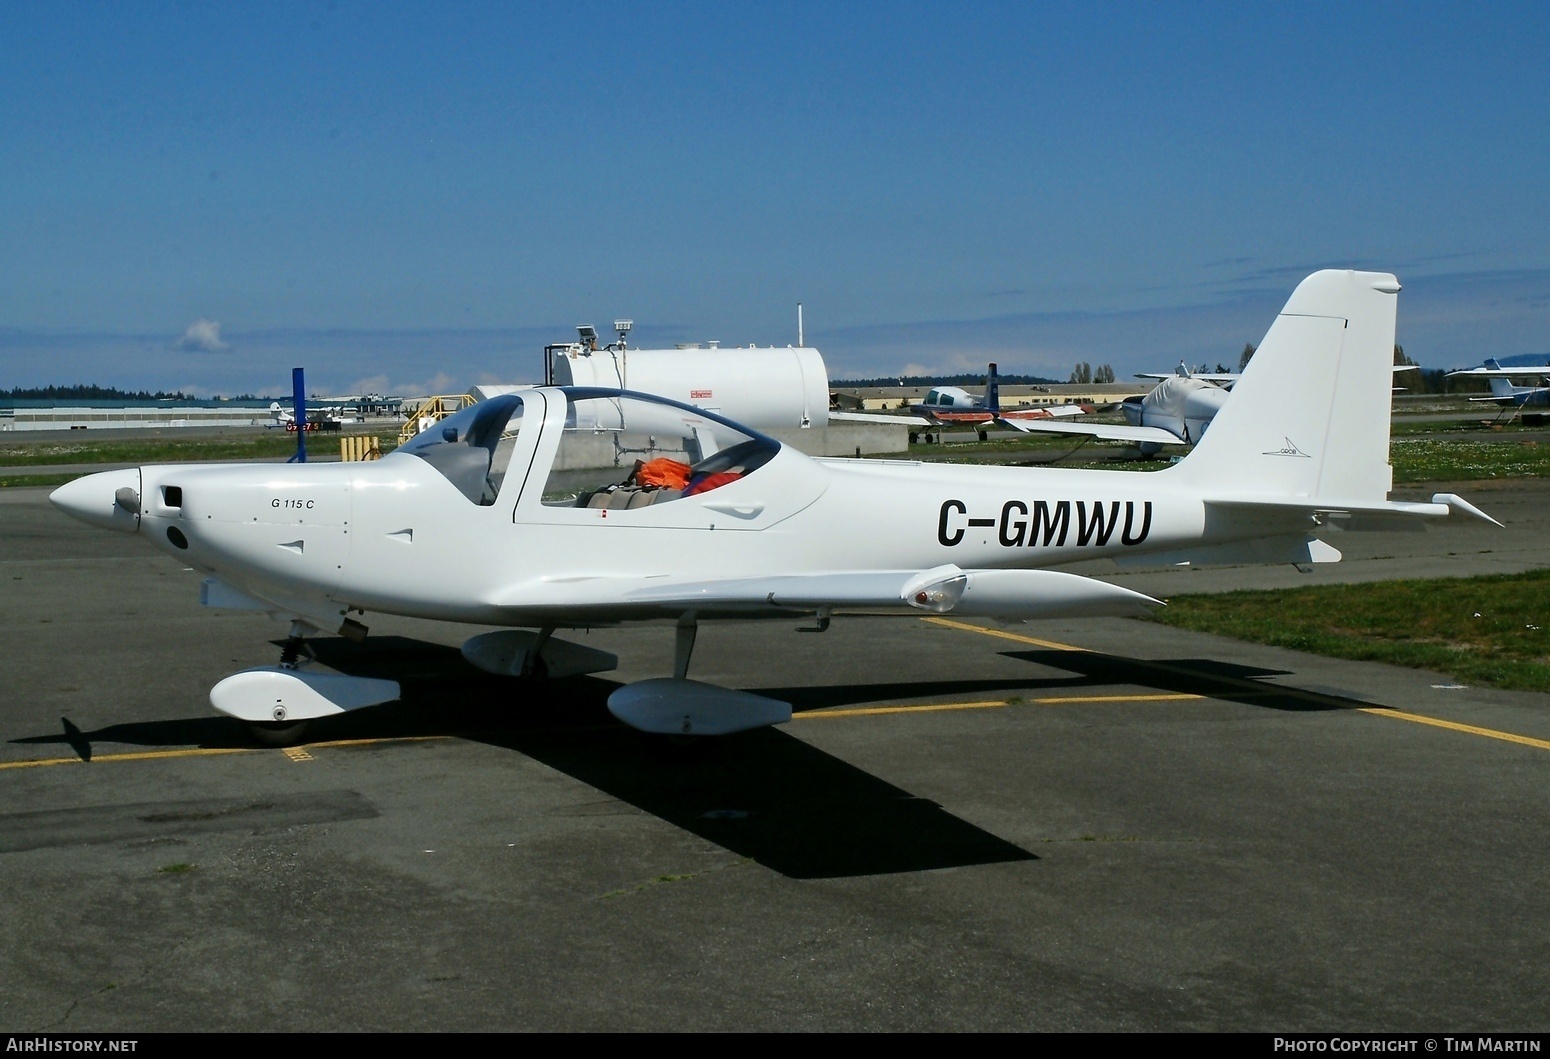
(1501, 387)
(992, 391)
(1310, 416)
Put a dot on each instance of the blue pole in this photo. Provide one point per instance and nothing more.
(299, 403)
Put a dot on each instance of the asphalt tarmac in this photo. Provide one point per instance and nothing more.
(1071, 825)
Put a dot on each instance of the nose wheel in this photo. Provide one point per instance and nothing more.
(294, 654)
(277, 733)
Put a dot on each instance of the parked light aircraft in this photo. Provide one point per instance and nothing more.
(349, 409)
(1504, 392)
(1176, 411)
(567, 507)
(953, 406)
(1226, 378)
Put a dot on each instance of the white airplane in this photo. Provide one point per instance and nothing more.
(354, 408)
(954, 406)
(1176, 411)
(564, 507)
(1504, 392)
(316, 415)
(1226, 378)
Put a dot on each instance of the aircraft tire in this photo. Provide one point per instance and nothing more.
(276, 733)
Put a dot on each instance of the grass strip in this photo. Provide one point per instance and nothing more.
(1462, 460)
(50, 480)
(1492, 631)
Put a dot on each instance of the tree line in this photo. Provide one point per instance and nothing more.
(87, 392)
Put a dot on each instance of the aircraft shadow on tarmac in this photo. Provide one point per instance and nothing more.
(762, 794)
(1207, 677)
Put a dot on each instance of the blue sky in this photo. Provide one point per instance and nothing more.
(416, 197)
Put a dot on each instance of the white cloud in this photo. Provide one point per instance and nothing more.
(202, 336)
(372, 384)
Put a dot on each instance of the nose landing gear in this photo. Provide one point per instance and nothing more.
(281, 731)
(276, 702)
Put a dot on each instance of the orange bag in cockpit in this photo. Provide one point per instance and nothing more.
(663, 473)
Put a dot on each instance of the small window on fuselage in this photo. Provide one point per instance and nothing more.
(473, 447)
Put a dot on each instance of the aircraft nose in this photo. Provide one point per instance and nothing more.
(110, 499)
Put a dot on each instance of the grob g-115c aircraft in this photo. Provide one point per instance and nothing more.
(562, 507)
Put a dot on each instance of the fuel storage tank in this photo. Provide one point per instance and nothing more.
(770, 387)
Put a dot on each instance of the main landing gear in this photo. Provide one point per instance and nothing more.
(679, 706)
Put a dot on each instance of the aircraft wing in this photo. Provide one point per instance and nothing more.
(1533, 371)
(1107, 432)
(939, 590)
(1024, 419)
(1204, 376)
(879, 417)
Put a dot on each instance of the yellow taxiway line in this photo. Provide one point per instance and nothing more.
(295, 753)
(143, 755)
(1489, 733)
(935, 707)
(1251, 687)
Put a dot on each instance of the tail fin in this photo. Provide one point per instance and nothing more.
(1310, 416)
(992, 391)
(1501, 387)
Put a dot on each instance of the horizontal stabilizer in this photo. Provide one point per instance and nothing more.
(1463, 507)
(1295, 549)
(674, 706)
(1389, 515)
